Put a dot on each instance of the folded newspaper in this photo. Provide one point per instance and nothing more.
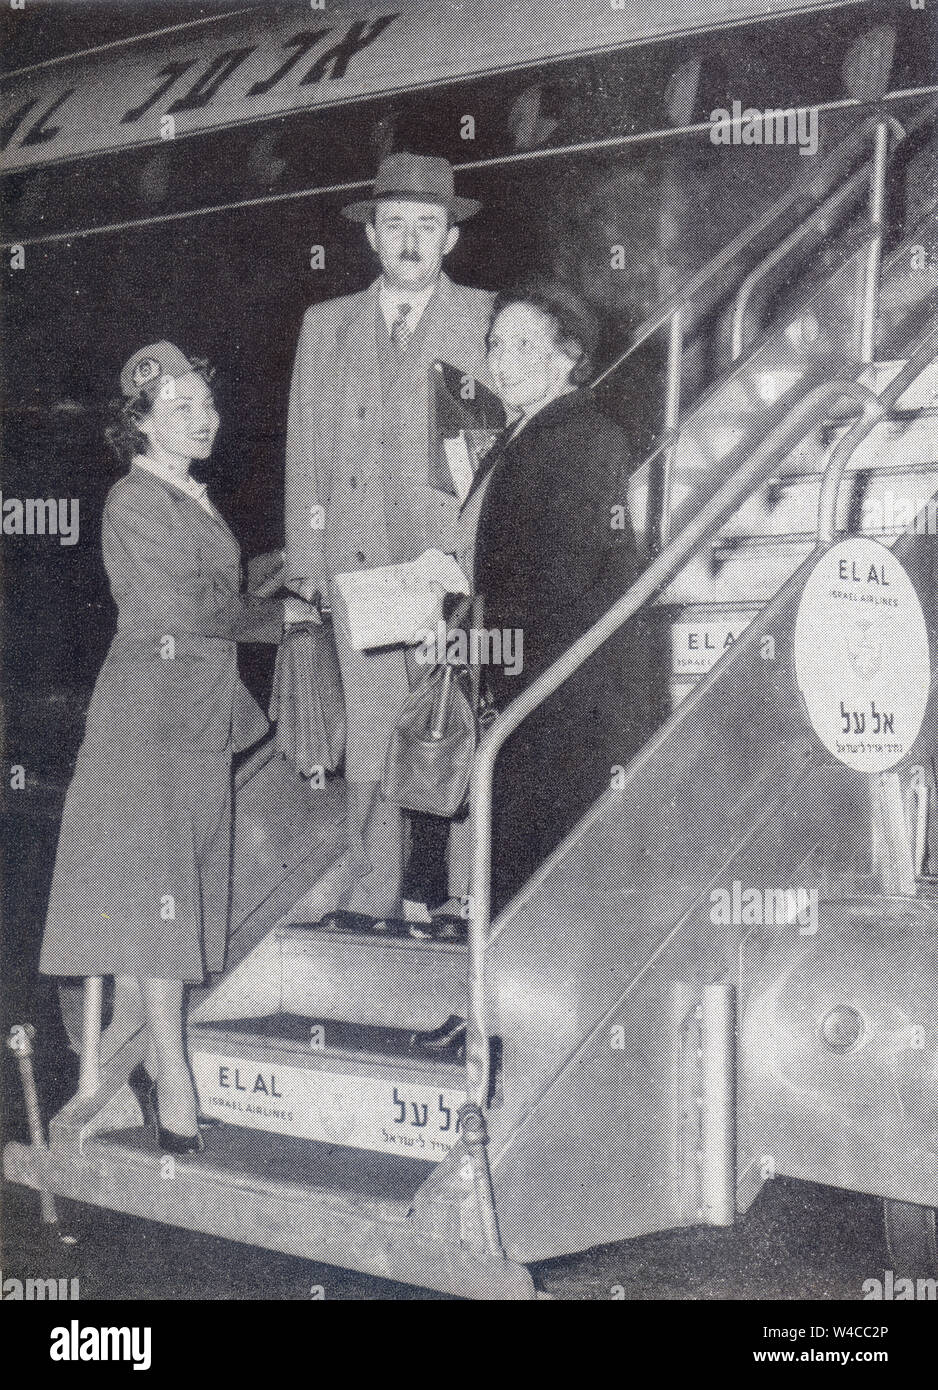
(381, 607)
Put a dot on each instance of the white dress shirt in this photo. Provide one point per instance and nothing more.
(391, 299)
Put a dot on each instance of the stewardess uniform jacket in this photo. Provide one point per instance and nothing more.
(141, 879)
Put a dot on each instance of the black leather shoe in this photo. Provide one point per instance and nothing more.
(170, 1143)
(448, 928)
(144, 1088)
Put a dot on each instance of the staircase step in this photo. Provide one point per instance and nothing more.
(363, 978)
(386, 1181)
(305, 1078)
(322, 1037)
(748, 569)
(734, 414)
(730, 577)
(904, 445)
(700, 634)
(880, 504)
(315, 1201)
(899, 440)
(892, 478)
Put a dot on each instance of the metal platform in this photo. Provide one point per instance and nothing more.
(318, 1201)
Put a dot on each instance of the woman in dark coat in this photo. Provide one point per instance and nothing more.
(140, 889)
(554, 549)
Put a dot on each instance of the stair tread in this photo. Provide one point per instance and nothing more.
(448, 932)
(298, 931)
(239, 1152)
(347, 1040)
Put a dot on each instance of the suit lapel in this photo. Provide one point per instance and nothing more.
(361, 343)
(438, 311)
(434, 326)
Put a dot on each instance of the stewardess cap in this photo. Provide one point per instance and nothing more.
(149, 365)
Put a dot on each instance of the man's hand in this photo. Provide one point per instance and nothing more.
(296, 610)
(304, 606)
(306, 589)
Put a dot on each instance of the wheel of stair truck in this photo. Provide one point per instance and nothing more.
(912, 1239)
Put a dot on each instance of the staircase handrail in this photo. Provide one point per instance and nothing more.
(851, 441)
(784, 248)
(808, 413)
(802, 188)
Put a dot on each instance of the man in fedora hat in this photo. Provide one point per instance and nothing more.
(358, 489)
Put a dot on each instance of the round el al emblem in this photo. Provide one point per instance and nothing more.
(147, 369)
(861, 655)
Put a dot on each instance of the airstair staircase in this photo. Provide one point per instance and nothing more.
(613, 1084)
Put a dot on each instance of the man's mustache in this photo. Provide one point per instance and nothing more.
(409, 256)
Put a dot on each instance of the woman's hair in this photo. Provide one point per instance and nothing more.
(122, 430)
(576, 331)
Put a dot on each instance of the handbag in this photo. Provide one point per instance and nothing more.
(433, 743)
(307, 701)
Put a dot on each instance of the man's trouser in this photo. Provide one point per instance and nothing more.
(375, 685)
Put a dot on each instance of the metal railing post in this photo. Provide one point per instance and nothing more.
(20, 1042)
(779, 253)
(672, 419)
(811, 187)
(480, 899)
(870, 303)
(478, 1064)
(824, 213)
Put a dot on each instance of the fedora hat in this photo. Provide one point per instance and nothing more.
(414, 178)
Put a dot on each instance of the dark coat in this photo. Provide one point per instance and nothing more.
(549, 562)
(147, 817)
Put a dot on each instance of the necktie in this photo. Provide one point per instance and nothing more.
(400, 328)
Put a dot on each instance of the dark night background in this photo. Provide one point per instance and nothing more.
(233, 286)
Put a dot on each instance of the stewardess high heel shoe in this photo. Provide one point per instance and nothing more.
(144, 1088)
